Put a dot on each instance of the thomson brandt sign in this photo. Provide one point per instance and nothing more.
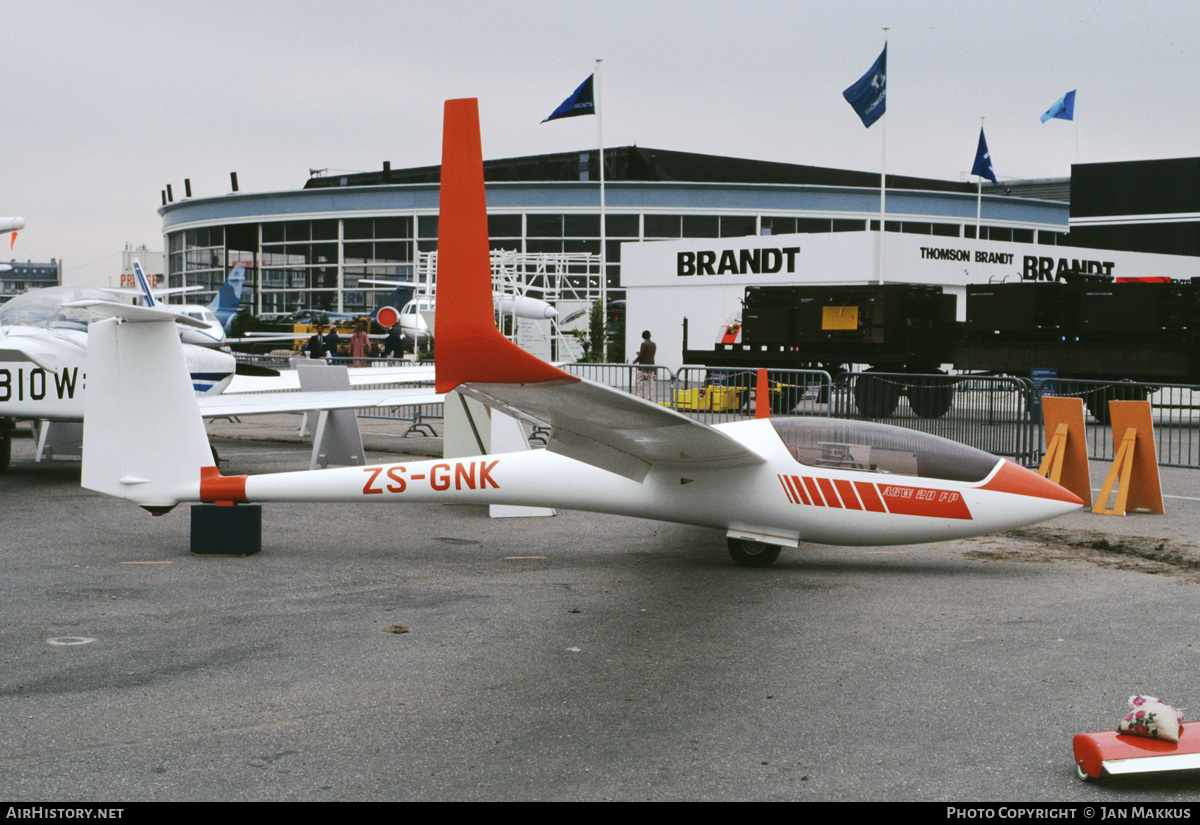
(762, 261)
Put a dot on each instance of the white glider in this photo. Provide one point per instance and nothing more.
(766, 483)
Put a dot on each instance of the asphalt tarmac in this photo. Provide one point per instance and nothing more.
(428, 652)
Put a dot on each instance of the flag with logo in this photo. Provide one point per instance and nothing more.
(869, 95)
(983, 160)
(1063, 108)
(581, 102)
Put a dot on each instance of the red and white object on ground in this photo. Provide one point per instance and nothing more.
(1108, 753)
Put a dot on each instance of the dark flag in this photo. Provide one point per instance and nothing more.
(869, 95)
(581, 102)
(983, 160)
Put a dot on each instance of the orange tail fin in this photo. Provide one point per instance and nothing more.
(468, 346)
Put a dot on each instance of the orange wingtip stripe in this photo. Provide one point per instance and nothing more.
(218, 489)
(1015, 479)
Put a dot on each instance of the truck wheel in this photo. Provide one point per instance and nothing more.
(930, 397)
(875, 397)
(1097, 400)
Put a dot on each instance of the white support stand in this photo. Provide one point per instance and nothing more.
(470, 428)
(59, 439)
(509, 436)
(337, 439)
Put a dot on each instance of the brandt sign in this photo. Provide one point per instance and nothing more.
(737, 261)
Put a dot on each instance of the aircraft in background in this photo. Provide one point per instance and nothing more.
(412, 322)
(44, 359)
(214, 319)
(766, 483)
(10, 225)
(219, 313)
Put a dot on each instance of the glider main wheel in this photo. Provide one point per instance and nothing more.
(752, 553)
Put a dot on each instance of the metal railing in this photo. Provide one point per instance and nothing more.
(719, 394)
(1174, 409)
(988, 412)
(653, 383)
(1001, 415)
(420, 417)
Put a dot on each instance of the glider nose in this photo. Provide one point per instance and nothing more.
(1047, 498)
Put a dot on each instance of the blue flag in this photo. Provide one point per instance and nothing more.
(983, 160)
(869, 95)
(1063, 108)
(581, 102)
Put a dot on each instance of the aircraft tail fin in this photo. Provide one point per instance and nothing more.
(229, 296)
(387, 314)
(469, 347)
(154, 466)
(144, 284)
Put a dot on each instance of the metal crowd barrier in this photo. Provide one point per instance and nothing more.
(418, 416)
(1174, 409)
(988, 412)
(715, 394)
(653, 383)
(1001, 415)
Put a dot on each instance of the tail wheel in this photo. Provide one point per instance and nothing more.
(753, 553)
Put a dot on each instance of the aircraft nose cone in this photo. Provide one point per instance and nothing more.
(1015, 479)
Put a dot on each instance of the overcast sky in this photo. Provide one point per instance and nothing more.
(107, 102)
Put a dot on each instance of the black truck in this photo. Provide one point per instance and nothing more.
(1085, 327)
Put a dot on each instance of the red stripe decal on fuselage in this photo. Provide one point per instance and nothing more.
(870, 496)
(787, 490)
(846, 491)
(831, 496)
(798, 486)
(814, 491)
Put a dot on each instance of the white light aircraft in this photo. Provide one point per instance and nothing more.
(11, 225)
(44, 365)
(214, 319)
(219, 313)
(766, 483)
(413, 326)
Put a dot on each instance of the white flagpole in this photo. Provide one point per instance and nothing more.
(979, 195)
(603, 222)
(882, 178)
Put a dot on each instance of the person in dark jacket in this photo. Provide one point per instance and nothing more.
(316, 344)
(332, 339)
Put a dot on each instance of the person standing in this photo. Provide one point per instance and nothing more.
(360, 344)
(393, 345)
(332, 340)
(316, 344)
(645, 361)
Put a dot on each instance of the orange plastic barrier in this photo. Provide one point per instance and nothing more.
(1066, 461)
(1135, 467)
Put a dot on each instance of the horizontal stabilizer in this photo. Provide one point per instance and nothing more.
(136, 314)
